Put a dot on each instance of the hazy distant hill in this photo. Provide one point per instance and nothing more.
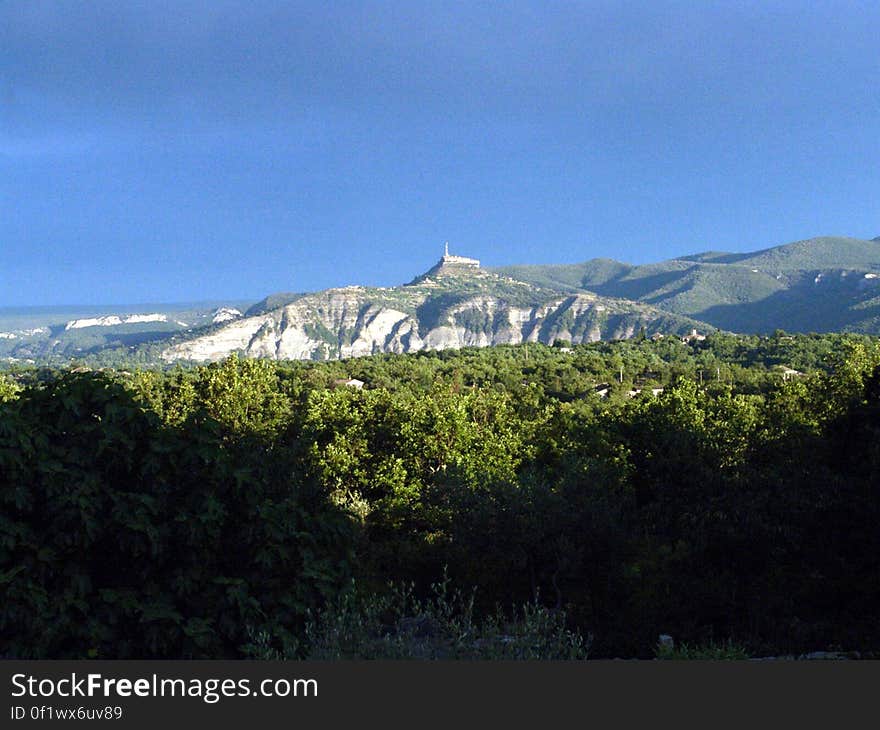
(46, 334)
(821, 284)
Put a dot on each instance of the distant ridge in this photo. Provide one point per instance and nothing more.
(820, 284)
(829, 283)
(454, 304)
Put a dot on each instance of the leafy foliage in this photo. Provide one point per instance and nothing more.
(222, 510)
(121, 537)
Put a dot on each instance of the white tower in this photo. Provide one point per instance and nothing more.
(457, 261)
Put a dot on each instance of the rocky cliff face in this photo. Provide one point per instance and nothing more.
(473, 308)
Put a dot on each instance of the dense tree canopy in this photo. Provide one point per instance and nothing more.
(717, 489)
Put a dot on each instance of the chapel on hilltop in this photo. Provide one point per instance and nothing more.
(449, 265)
(457, 261)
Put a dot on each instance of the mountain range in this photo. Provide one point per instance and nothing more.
(816, 285)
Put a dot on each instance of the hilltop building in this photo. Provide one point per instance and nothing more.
(457, 261)
(449, 265)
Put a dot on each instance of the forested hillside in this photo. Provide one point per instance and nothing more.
(526, 501)
(822, 284)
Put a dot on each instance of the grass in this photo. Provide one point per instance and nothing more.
(400, 625)
(726, 651)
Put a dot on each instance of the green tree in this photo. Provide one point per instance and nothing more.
(244, 395)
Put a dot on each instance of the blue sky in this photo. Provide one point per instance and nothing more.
(180, 150)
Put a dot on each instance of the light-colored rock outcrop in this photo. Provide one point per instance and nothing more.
(356, 321)
(225, 314)
(113, 320)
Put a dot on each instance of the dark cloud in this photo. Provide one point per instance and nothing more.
(240, 60)
(216, 62)
(146, 129)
